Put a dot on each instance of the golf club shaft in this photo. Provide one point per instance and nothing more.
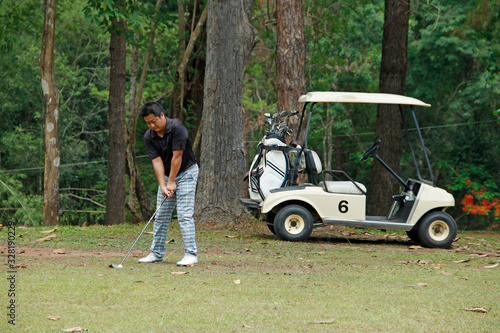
(151, 219)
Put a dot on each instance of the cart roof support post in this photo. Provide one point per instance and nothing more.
(423, 148)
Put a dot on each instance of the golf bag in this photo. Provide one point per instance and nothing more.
(269, 168)
(273, 165)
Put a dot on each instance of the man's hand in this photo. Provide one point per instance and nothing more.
(169, 189)
(166, 192)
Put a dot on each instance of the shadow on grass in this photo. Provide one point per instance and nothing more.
(358, 240)
(342, 240)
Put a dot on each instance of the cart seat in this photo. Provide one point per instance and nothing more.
(345, 187)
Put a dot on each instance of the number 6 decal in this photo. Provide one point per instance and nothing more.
(343, 206)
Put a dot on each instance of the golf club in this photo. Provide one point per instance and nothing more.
(157, 209)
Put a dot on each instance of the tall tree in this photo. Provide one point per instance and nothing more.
(290, 55)
(51, 100)
(230, 40)
(389, 122)
(115, 194)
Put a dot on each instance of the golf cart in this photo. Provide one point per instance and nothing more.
(292, 210)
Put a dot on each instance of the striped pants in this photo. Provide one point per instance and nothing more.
(183, 198)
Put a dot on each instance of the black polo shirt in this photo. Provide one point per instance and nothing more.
(176, 137)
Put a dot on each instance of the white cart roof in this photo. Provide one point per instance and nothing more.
(356, 97)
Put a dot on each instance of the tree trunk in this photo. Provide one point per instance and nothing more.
(290, 57)
(230, 40)
(51, 105)
(389, 123)
(115, 194)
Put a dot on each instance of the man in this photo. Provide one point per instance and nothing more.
(174, 163)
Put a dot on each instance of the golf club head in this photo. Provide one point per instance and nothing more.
(115, 266)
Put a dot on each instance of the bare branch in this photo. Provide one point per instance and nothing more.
(87, 199)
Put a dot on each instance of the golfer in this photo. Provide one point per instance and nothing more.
(174, 163)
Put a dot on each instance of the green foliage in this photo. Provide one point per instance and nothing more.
(103, 12)
(15, 206)
(344, 43)
(14, 14)
(20, 100)
(20, 140)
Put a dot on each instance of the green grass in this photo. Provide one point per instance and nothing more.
(357, 283)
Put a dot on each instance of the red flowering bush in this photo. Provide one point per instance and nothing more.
(480, 201)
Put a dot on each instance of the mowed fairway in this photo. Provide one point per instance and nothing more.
(340, 280)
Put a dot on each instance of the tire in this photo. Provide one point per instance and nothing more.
(293, 223)
(437, 230)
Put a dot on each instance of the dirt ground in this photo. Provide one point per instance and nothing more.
(46, 252)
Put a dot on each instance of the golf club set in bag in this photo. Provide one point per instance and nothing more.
(276, 163)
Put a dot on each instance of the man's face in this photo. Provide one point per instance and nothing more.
(155, 123)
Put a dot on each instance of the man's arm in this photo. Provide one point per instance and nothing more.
(175, 165)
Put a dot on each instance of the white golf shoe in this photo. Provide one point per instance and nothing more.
(151, 258)
(188, 260)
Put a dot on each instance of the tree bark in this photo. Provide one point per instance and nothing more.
(51, 105)
(389, 123)
(290, 57)
(115, 194)
(230, 40)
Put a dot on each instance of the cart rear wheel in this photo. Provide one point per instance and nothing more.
(437, 229)
(293, 223)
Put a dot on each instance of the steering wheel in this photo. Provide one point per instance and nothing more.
(371, 150)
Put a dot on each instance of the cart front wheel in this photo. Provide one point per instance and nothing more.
(293, 223)
(437, 229)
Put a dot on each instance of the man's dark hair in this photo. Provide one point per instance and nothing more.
(151, 108)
